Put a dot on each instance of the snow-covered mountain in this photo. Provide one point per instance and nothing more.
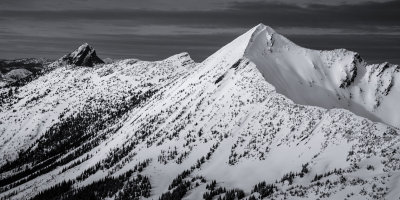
(16, 74)
(260, 118)
(20, 71)
(329, 79)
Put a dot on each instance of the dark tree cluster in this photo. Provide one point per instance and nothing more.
(6, 96)
(181, 157)
(236, 64)
(73, 136)
(167, 155)
(36, 98)
(304, 170)
(212, 185)
(291, 175)
(181, 186)
(318, 177)
(178, 193)
(139, 187)
(219, 79)
(288, 177)
(212, 149)
(179, 179)
(214, 192)
(233, 194)
(106, 187)
(76, 163)
(229, 194)
(50, 193)
(88, 172)
(92, 170)
(265, 190)
(28, 173)
(118, 154)
(200, 162)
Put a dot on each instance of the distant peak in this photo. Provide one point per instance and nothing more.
(85, 46)
(182, 55)
(84, 55)
(183, 58)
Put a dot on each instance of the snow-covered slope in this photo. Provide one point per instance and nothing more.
(329, 79)
(175, 129)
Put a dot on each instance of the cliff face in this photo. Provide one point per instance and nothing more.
(85, 55)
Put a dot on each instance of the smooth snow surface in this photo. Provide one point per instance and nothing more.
(329, 79)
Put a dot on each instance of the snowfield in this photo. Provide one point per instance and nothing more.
(261, 118)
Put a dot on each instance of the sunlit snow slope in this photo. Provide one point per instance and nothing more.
(329, 79)
(175, 129)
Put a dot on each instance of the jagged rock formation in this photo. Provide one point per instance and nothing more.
(85, 55)
(175, 129)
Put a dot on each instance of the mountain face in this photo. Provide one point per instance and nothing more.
(261, 118)
(329, 79)
(85, 55)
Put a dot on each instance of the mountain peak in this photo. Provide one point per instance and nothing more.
(330, 79)
(264, 37)
(239, 47)
(84, 55)
(262, 26)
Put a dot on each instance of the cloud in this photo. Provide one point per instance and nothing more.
(170, 5)
(238, 14)
(134, 27)
(358, 31)
(306, 3)
(57, 5)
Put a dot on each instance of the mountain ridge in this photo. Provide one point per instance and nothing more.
(341, 75)
(175, 129)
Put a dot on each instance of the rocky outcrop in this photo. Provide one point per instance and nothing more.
(85, 55)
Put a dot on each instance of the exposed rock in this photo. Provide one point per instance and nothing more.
(85, 55)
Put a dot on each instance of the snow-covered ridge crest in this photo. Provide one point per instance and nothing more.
(331, 79)
(183, 58)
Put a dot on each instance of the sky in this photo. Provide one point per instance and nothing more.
(156, 29)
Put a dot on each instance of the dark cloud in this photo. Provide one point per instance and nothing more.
(155, 32)
(366, 14)
(237, 14)
(373, 48)
(127, 46)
